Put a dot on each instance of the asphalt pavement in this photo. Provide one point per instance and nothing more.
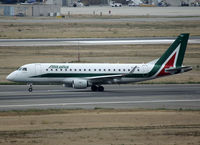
(91, 41)
(169, 96)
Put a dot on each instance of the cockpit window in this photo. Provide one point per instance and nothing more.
(19, 69)
(22, 69)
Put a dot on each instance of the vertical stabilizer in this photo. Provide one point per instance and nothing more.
(175, 53)
(172, 58)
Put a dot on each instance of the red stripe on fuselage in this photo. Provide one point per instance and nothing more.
(169, 64)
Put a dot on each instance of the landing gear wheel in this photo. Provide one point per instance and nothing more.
(100, 88)
(30, 89)
(94, 88)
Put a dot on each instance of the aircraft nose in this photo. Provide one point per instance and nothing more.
(11, 77)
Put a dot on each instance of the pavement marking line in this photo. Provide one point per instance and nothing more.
(97, 103)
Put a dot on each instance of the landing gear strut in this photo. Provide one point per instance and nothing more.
(30, 89)
(95, 88)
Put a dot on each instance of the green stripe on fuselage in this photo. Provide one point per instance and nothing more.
(82, 75)
(69, 75)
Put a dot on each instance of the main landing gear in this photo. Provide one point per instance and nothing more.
(30, 89)
(95, 88)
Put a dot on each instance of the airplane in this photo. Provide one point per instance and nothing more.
(28, 2)
(94, 75)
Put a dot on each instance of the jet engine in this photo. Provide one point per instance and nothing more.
(80, 84)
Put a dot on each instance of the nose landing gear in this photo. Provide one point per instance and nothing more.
(30, 89)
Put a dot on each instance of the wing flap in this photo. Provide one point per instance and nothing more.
(105, 79)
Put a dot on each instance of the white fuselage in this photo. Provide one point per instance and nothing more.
(66, 72)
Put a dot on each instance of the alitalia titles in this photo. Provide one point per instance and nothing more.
(58, 67)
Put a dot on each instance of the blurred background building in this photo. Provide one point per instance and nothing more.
(52, 7)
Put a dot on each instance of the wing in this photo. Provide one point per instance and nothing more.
(108, 79)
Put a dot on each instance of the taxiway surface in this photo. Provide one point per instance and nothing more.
(171, 96)
(92, 41)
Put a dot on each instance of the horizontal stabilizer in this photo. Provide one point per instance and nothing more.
(176, 70)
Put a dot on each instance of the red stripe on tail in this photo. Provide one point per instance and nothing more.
(169, 64)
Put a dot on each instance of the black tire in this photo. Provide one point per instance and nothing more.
(100, 88)
(30, 89)
(94, 88)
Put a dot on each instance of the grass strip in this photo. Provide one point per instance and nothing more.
(78, 110)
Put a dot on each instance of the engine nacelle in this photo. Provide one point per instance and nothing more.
(80, 84)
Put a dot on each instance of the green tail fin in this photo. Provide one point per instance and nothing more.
(175, 53)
